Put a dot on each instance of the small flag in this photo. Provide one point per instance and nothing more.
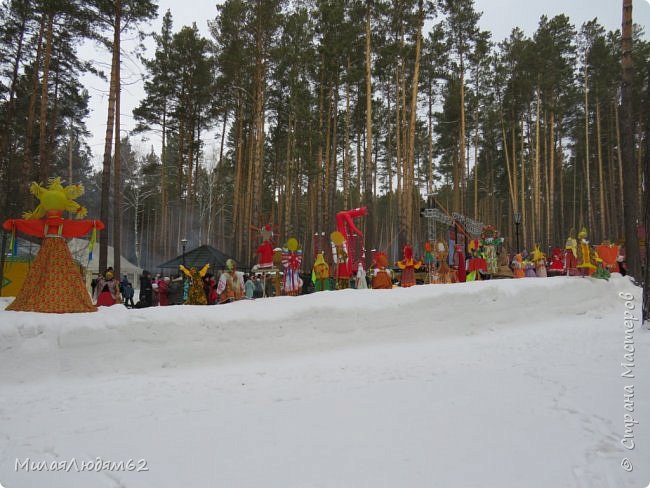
(13, 244)
(93, 239)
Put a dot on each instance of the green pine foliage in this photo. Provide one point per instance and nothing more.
(265, 121)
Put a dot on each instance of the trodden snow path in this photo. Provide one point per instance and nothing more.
(502, 384)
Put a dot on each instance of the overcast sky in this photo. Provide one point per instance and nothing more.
(499, 17)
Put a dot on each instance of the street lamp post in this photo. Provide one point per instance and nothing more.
(517, 219)
(183, 242)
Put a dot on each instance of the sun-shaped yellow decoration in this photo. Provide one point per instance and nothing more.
(56, 197)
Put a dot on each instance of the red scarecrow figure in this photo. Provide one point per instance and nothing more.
(408, 265)
(265, 250)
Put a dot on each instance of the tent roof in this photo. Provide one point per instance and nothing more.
(79, 251)
(198, 257)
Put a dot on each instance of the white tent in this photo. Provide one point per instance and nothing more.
(80, 250)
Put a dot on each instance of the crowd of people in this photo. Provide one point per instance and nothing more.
(479, 260)
(190, 286)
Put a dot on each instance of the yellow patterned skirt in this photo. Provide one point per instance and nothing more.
(196, 294)
(54, 283)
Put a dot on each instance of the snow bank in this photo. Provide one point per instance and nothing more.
(139, 339)
(501, 383)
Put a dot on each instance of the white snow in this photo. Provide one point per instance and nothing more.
(508, 383)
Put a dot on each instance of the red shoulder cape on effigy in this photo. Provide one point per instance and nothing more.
(54, 283)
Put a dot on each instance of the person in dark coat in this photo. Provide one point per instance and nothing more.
(127, 292)
(146, 290)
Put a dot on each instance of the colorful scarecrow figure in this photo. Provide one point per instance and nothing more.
(529, 266)
(539, 261)
(349, 232)
(459, 263)
(430, 262)
(585, 265)
(340, 255)
(601, 268)
(291, 262)
(571, 254)
(265, 250)
(382, 277)
(503, 260)
(518, 266)
(477, 263)
(489, 241)
(54, 283)
(408, 265)
(557, 262)
(277, 265)
(320, 274)
(231, 283)
(608, 252)
(444, 274)
(196, 291)
(360, 278)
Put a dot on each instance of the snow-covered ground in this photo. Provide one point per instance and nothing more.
(509, 383)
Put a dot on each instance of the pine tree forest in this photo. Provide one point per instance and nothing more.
(290, 111)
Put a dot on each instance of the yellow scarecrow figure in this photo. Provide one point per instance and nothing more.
(320, 274)
(539, 260)
(585, 258)
(196, 294)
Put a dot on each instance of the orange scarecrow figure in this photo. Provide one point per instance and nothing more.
(54, 283)
(381, 275)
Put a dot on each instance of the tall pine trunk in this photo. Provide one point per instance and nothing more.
(369, 166)
(237, 212)
(524, 213)
(28, 163)
(8, 161)
(346, 142)
(108, 146)
(536, 213)
(117, 160)
(587, 156)
(460, 171)
(646, 175)
(550, 237)
(619, 159)
(258, 125)
(410, 164)
(630, 185)
(43, 160)
(601, 179)
(164, 197)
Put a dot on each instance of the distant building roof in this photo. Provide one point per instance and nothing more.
(198, 257)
